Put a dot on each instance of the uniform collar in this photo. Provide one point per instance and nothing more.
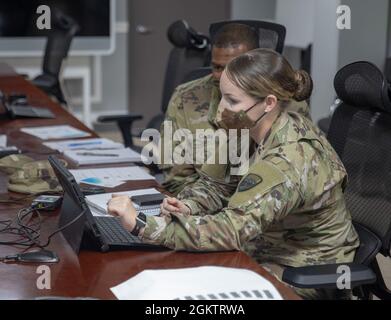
(288, 128)
(272, 139)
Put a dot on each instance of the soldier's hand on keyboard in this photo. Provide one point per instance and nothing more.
(122, 206)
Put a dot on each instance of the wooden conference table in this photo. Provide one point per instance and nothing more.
(89, 274)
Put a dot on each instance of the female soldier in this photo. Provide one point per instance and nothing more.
(289, 209)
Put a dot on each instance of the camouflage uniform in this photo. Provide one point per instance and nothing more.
(194, 106)
(289, 208)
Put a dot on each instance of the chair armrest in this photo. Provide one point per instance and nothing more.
(328, 275)
(120, 118)
(124, 123)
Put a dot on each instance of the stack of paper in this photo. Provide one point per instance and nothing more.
(98, 202)
(55, 132)
(83, 157)
(84, 144)
(202, 283)
(110, 177)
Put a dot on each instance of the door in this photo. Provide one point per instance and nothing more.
(149, 46)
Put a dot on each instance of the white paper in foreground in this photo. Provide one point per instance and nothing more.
(211, 283)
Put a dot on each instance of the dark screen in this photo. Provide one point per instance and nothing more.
(73, 205)
(18, 17)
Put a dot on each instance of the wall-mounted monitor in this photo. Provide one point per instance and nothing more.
(20, 36)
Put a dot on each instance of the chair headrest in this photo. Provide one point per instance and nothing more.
(362, 84)
(181, 35)
(271, 35)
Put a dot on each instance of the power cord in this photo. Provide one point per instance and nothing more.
(23, 227)
(62, 228)
(28, 230)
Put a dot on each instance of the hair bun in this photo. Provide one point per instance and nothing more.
(304, 86)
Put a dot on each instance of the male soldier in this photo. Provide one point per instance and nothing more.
(194, 104)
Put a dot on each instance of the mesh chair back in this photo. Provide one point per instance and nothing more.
(180, 62)
(360, 132)
(191, 51)
(58, 43)
(271, 35)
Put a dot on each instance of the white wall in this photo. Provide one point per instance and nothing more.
(264, 10)
(368, 37)
(253, 9)
(324, 57)
(298, 18)
(389, 30)
(115, 68)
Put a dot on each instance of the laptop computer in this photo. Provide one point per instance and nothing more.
(19, 108)
(16, 111)
(106, 232)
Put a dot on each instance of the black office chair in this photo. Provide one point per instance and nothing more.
(324, 123)
(387, 69)
(271, 35)
(58, 43)
(360, 132)
(190, 51)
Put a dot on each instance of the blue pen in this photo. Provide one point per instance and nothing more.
(84, 143)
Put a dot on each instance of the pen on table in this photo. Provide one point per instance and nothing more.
(78, 144)
(97, 154)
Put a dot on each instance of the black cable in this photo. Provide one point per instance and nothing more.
(25, 226)
(30, 232)
(7, 222)
(62, 228)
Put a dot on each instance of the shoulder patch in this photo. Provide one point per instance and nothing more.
(261, 177)
(249, 181)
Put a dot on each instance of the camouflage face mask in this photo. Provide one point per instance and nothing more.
(238, 120)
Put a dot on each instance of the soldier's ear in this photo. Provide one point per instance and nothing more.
(271, 102)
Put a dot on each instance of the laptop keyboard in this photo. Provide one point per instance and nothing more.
(114, 232)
